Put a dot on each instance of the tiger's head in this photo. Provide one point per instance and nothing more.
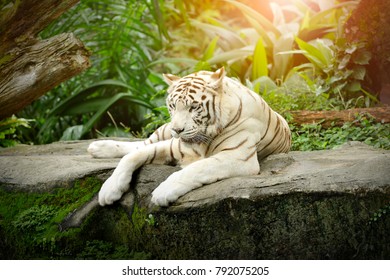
(194, 105)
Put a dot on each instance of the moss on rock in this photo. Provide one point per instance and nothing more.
(29, 225)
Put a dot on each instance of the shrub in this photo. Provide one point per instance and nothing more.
(309, 137)
(8, 129)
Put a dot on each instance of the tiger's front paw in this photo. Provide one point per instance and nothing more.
(112, 190)
(168, 191)
(103, 149)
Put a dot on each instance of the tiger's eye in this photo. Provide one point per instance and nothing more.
(194, 106)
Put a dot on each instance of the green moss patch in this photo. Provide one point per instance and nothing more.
(29, 226)
(29, 221)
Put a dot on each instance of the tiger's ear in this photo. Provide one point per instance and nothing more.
(170, 79)
(217, 78)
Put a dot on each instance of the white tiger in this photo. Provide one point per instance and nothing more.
(219, 129)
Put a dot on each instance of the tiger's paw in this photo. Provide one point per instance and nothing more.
(163, 196)
(167, 192)
(102, 149)
(111, 191)
(109, 149)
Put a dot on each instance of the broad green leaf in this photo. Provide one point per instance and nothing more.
(353, 86)
(262, 20)
(231, 55)
(282, 63)
(362, 57)
(203, 65)
(208, 54)
(325, 50)
(83, 94)
(87, 106)
(302, 6)
(260, 64)
(310, 34)
(228, 39)
(259, 22)
(111, 101)
(264, 84)
(72, 133)
(278, 14)
(314, 54)
(316, 20)
(187, 61)
(14, 121)
(261, 32)
(305, 21)
(344, 62)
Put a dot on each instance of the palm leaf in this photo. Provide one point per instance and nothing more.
(105, 106)
(76, 101)
(313, 54)
(231, 55)
(228, 39)
(260, 64)
(315, 20)
(262, 20)
(208, 54)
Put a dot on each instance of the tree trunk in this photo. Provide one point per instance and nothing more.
(30, 67)
(370, 23)
(338, 118)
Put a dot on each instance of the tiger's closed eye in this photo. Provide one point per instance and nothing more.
(195, 106)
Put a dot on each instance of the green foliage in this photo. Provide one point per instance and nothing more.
(102, 250)
(156, 120)
(336, 70)
(309, 137)
(297, 60)
(34, 219)
(30, 220)
(239, 45)
(124, 38)
(370, 23)
(329, 66)
(29, 226)
(380, 214)
(8, 128)
(294, 94)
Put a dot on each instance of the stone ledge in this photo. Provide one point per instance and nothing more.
(303, 205)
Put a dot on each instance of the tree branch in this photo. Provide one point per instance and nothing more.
(381, 114)
(21, 21)
(32, 71)
(30, 67)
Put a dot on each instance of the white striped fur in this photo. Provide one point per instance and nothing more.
(219, 129)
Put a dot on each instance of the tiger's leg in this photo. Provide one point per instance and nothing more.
(229, 162)
(117, 149)
(119, 182)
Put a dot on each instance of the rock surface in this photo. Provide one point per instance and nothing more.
(303, 205)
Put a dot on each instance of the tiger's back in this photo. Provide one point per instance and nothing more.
(245, 104)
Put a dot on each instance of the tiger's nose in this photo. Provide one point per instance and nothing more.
(178, 130)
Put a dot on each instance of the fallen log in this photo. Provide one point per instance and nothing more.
(338, 118)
